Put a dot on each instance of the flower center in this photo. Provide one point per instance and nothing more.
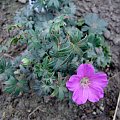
(84, 81)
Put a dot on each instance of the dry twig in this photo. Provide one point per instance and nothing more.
(37, 108)
(114, 118)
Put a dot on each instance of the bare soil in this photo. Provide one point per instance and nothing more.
(33, 107)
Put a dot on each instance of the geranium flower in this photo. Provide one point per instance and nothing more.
(87, 85)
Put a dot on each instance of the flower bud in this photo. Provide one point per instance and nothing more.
(25, 61)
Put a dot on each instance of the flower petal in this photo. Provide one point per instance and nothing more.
(80, 95)
(95, 93)
(99, 79)
(85, 70)
(73, 83)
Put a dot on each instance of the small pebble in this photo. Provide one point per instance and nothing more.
(87, 0)
(117, 30)
(107, 34)
(102, 108)
(116, 40)
(83, 117)
(115, 18)
(94, 9)
(98, 111)
(22, 1)
(46, 99)
(94, 113)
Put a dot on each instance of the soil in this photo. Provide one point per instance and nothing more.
(33, 107)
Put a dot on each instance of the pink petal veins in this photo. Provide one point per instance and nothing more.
(95, 95)
(100, 79)
(85, 70)
(80, 95)
(73, 82)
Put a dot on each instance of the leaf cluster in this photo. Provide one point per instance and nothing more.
(94, 24)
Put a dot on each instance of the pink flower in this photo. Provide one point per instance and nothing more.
(87, 85)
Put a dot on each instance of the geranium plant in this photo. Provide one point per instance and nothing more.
(55, 45)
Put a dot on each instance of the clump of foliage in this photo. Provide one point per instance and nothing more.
(56, 45)
(94, 24)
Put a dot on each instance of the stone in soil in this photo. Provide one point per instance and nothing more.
(94, 10)
(117, 40)
(107, 34)
(22, 1)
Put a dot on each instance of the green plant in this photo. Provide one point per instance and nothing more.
(54, 5)
(94, 24)
(59, 89)
(6, 69)
(14, 86)
(55, 45)
(98, 50)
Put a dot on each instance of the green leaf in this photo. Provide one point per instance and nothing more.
(95, 24)
(63, 52)
(61, 93)
(14, 86)
(5, 66)
(85, 28)
(78, 50)
(80, 22)
(54, 3)
(75, 34)
(96, 40)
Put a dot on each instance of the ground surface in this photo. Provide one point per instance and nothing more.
(32, 107)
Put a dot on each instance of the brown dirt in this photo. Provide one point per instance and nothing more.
(32, 107)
